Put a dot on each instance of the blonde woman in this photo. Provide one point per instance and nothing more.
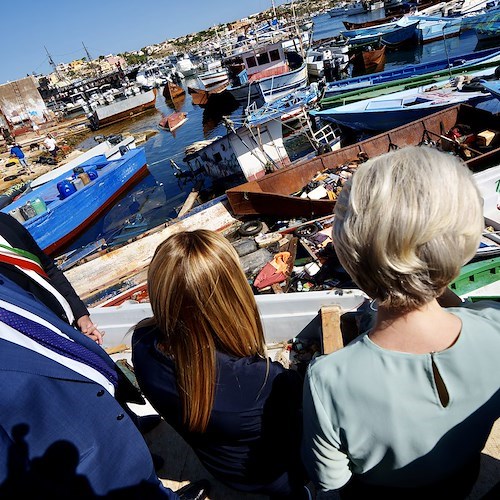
(202, 363)
(405, 409)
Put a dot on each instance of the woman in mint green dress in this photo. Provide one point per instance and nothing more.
(406, 408)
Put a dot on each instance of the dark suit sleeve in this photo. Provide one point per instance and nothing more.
(18, 236)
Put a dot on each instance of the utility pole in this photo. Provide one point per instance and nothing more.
(53, 64)
(89, 59)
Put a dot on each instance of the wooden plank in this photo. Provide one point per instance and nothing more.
(331, 338)
(188, 204)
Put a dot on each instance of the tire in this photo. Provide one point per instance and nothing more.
(307, 230)
(10, 178)
(250, 228)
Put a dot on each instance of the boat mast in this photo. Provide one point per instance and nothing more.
(299, 35)
(274, 9)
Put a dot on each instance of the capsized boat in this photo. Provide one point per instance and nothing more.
(273, 194)
(173, 121)
(62, 208)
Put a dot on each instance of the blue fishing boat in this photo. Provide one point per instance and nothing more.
(58, 211)
(363, 81)
(390, 34)
(386, 112)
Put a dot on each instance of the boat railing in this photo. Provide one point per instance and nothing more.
(326, 135)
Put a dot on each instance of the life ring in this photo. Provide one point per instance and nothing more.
(306, 231)
(250, 228)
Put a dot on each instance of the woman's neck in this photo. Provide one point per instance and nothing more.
(426, 329)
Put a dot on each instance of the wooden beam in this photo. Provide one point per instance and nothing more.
(331, 337)
(188, 204)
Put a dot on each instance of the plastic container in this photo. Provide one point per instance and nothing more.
(84, 177)
(65, 188)
(78, 183)
(16, 213)
(27, 211)
(39, 205)
(92, 173)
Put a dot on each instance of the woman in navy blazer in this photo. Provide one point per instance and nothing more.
(202, 364)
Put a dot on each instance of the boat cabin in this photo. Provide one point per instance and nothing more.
(246, 152)
(259, 62)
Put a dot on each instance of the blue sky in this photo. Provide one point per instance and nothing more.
(104, 26)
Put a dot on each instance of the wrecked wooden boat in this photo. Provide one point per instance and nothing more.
(173, 121)
(276, 193)
(200, 96)
(172, 91)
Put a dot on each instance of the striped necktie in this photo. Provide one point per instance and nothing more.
(57, 343)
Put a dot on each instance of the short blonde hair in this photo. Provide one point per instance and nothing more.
(406, 223)
(202, 303)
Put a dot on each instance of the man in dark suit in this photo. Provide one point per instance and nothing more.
(63, 431)
(53, 289)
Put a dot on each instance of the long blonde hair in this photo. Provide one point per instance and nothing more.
(202, 303)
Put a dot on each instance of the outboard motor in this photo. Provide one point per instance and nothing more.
(114, 139)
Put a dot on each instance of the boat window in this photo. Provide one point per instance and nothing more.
(274, 55)
(263, 58)
(385, 104)
(217, 157)
(417, 100)
(251, 62)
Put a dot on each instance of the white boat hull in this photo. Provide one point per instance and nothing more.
(275, 87)
(283, 316)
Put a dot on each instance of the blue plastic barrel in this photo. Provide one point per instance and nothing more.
(92, 174)
(65, 188)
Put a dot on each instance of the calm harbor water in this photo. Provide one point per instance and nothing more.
(158, 195)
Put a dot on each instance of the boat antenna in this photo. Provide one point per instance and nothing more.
(274, 9)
